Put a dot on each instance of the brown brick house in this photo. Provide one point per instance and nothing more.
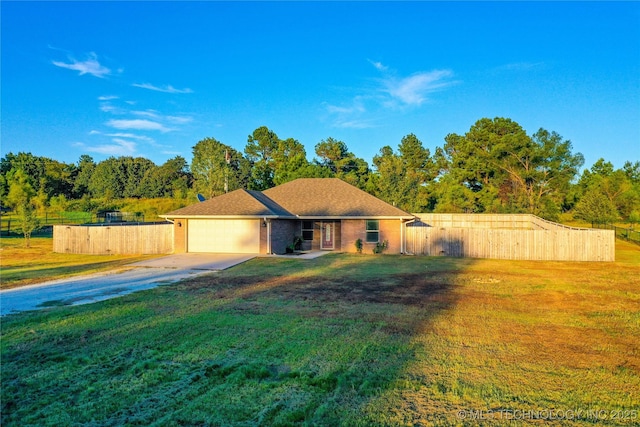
(321, 213)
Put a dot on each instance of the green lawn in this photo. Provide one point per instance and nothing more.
(38, 263)
(340, 340)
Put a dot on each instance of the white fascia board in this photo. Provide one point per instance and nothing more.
(226, 216)
(321, 218)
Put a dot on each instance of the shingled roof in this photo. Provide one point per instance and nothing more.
(238, 203)
(304, 198)
(330, 197)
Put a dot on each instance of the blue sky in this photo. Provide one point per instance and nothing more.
(151, 79)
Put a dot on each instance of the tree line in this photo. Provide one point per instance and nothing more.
(495, 167)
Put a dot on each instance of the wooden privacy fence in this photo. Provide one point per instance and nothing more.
(113, 239)
(516, 237)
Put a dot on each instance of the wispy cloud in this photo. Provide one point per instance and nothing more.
(138, 124)
(179, 120)
(354, 124)
(356, 107)
(350, 116)
(413, 90)
(379, 65)
(390, 92)
(89, 66)
(148, 113)
(165, 89)
(119, 147)
(108, 108)
(124, 135)
(520, 66)
(107, 98)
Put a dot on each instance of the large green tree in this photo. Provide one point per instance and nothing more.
(508, 171)
(289, 161)
(334, 156)
(217, 168)
(595, 207)
(84, 171)
(621, 187)
(21, 197)
(172, 179)
(260, 150)
(48, 177)
(404, 178)
(119, 177)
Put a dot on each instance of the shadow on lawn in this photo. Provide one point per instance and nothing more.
(272, 342)
(21, 275)
(367, 326)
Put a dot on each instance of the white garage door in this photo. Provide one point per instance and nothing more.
(224, 235)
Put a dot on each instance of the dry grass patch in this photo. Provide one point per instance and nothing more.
(25, 266)
(340, 340)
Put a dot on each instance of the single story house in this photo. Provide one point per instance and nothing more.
(324, 213)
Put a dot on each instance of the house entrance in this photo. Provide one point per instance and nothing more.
(328, 232)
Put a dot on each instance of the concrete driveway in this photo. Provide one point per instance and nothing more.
(97, 287)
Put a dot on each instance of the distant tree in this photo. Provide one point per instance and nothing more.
(172, 179)
(545, 173)
(48, 177)
(333, 154)
(106, 179)
(58, 203)
(388, 180)
(289, 161)
(216, 168)
(632, 170)
(20, 198)
(32, 166)
(119, 177)
(451, 197)
(134, 170)
(84, 170)
(470, 166)
(596, 208)
(508, 171)
(28, 222)
(404, 179)
(619, 186)
(261, 147)
(335, 157)
(421, 171)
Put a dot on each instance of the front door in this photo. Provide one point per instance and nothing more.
(328, 235)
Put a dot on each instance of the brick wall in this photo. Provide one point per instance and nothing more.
(390, 230)
(354, 229)
(263, 238)
(282, 234)
(180, 235)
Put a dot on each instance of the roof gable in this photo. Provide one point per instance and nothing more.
(303, 197)
(330, 197)
(236, 203)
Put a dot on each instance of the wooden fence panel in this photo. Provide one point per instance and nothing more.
(516, 237)
(113, 239)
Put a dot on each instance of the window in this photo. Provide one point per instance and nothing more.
(307, 230)
(373, 231)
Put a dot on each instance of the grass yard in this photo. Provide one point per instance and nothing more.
(25, 266)
(341, 340)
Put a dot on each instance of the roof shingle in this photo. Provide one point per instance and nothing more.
(330, 197)
(304, 197)
(237, 203)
